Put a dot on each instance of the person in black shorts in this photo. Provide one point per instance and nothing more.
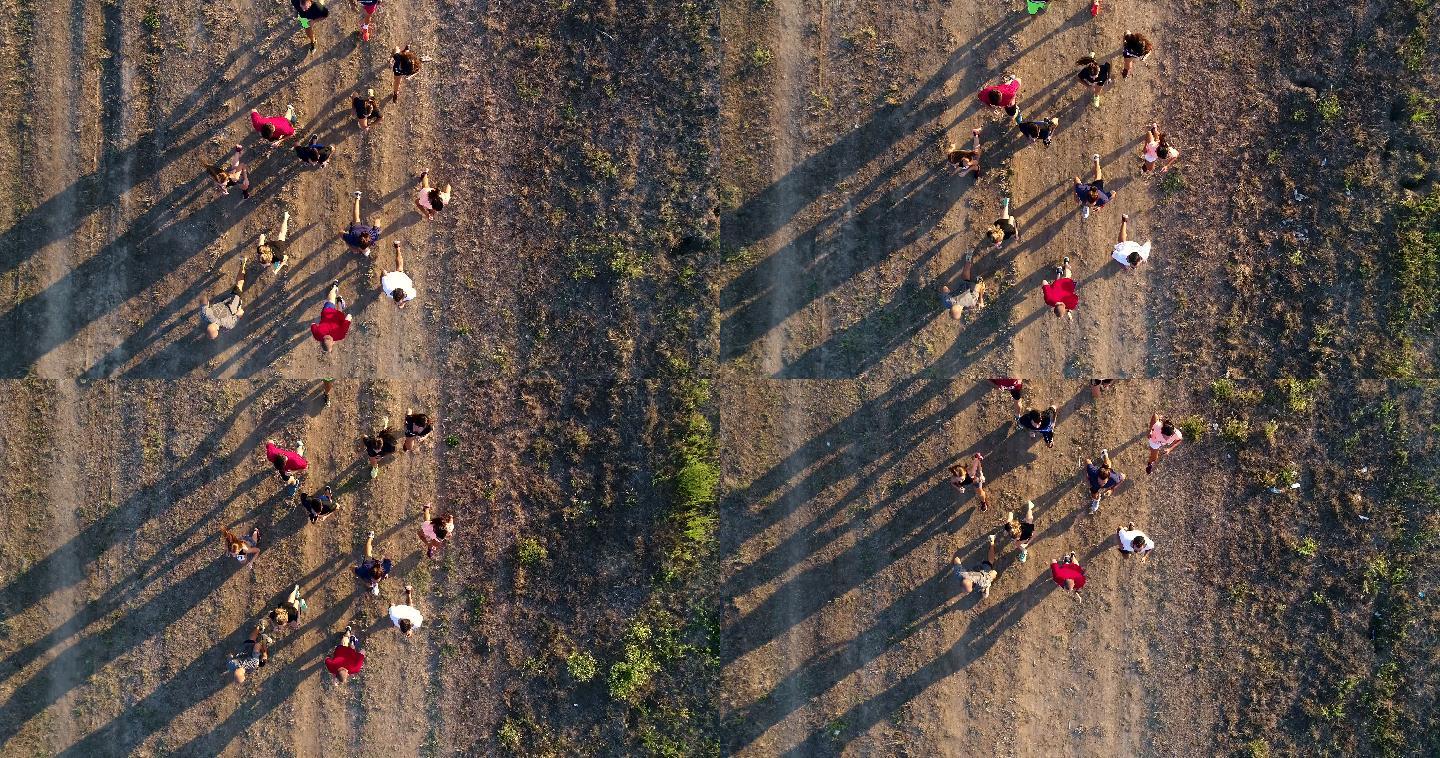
(320, 505)
(372, 570)
(367, 109)
(1092, 194)
(231, 172)
(254, 654)
(965, 160)
(1135, 46)
(1040, 422)
(380, 446)
(1040, 131)
(1094, 75)
(404, 65)
(309, 11)
(960, 478)
(1004, 227)
(312, 153)
(287, 614)
(1021, 531)
(418, 427)
(1016, 388)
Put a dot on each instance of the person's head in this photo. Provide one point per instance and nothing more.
(326, 343)
(342, 675)
(1093, 194)
(1070, 584)
(213, 330)
(279, 463)
(1104, 471)
(1053, 121)
(1012, 528)
(267, 131)
(266, 253)
(1089, 66)
(993, 97)
(366, 238)
(1166, 428)
(1138, 543)
(406, 626)
(1137, 42)
(398, 295)
(1059, 310)
(233, 547)
(996, 234)
(444, 524)
(280, 617)
(237, 674)
(436, 201)
(1134, 258)
(420, 419)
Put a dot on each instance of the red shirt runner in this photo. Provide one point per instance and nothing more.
(283, 128)
(334, 323)
(1062, 571)
(1061, 291)
(347, 658)
(293, 461)
(1008, 91)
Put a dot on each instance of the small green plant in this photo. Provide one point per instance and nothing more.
(151, 19)
(761, 57)
(630, 676)
(582, 666)
(531, 551)
(1223, 390)
(509, 735)
(1307, 548)
(452, 440)
(1299, 394)
(1173, 183)
(1235, 432)
(1192, 426)
(1256, 748)
(1329, 107)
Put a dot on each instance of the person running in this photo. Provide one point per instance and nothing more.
(380, 446)
(1040, 131)
(1094, 75)
(288, 463)
(348, 658)
(359, 236)
(274, 129)
(1102, 478)
(1134, 47)
(965, 160)
(397, 284)
(1060, 294)
(407, 618)
(254, 654)
(1023, 530)
(1157, 150)
(231, 172)
(434, 531)
(1003, 96)
(372, 570)
(1039, 422)
(404, 65)
(241, 548)
(971, 295)
(266, 252)
(368, 7)
(334, 322)
(430, 200)
(1016, 388)
(1127, 253)
(979, 578)
(312, 153)
(960, 477)
(225, 314)
(418, 427)
(1133, 540)
(320, 505)
(1164, 437)
(309, 11)
(286, 615)
(1068, 574)
(1092, 194)
(1004, 227)
(367, 109)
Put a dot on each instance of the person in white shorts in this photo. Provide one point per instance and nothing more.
(406, 617)
(430, 200)
(980, 578)
(1164, 437)
(396, 284)
(1133, 540)
(971, 296)
(1129, 253)
(1157, 150)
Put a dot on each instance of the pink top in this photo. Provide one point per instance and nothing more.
(283, 128)
(293, 461)
(1008, 92)
(1158, 438)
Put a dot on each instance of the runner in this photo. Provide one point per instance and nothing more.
(380, 446)
(1040, 422)
(407, 618)
(1016, 388)
(434, 531)
(320, 505)
(429, 200)
(1094, 75)
(1164, 438)
(312, 153)
(309, 11)
(396, 284)
(359, 236)
(372, 570)
(1103, 479)
(348, 658)
(1003, 96)
(971, 296)
(1097, 386)
(366, 109)
(231, 172)
(1134, 46)
(1021, 531)
(1004, 227)
(1092, 194)
(334, 322)
(224, 315)
(369, 7)
(1068, 574)
(274, 129)
(1133, 540)
(266, 252)
(960, 477)
(1060, 294)
(288, 463)
(980, 578)
(965, 160)
(254, 654)
(418, 426)
(1040, 131)
(405, 65)
(241, 548)
(287, 615)
(1157, 148)
(1127, 253)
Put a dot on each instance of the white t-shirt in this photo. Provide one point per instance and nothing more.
(393, 280)
(400, 613)
(1124, 249)
(1158, 438)
(1127, 538)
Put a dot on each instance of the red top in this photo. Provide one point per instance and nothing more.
(347, 658)
(1008, 384)
(1008, 91)
(1061, 291)
(1062, 571)
(334, 323)
(283, 128)
(293, 461)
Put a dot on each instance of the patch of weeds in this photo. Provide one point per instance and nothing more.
(599, 162)
(1307, 548)
(1173, 183)
(835, 730)
(761, 57)
(1412, 50)
(1298, 395)
(151, 19)
(531, 552)
(630, 677)
(1235, 432)
(452, 440)
(1256, 748)
(475, 602)
(1328, 107)
(1193, 427)
(581, 666)
(509, 735)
